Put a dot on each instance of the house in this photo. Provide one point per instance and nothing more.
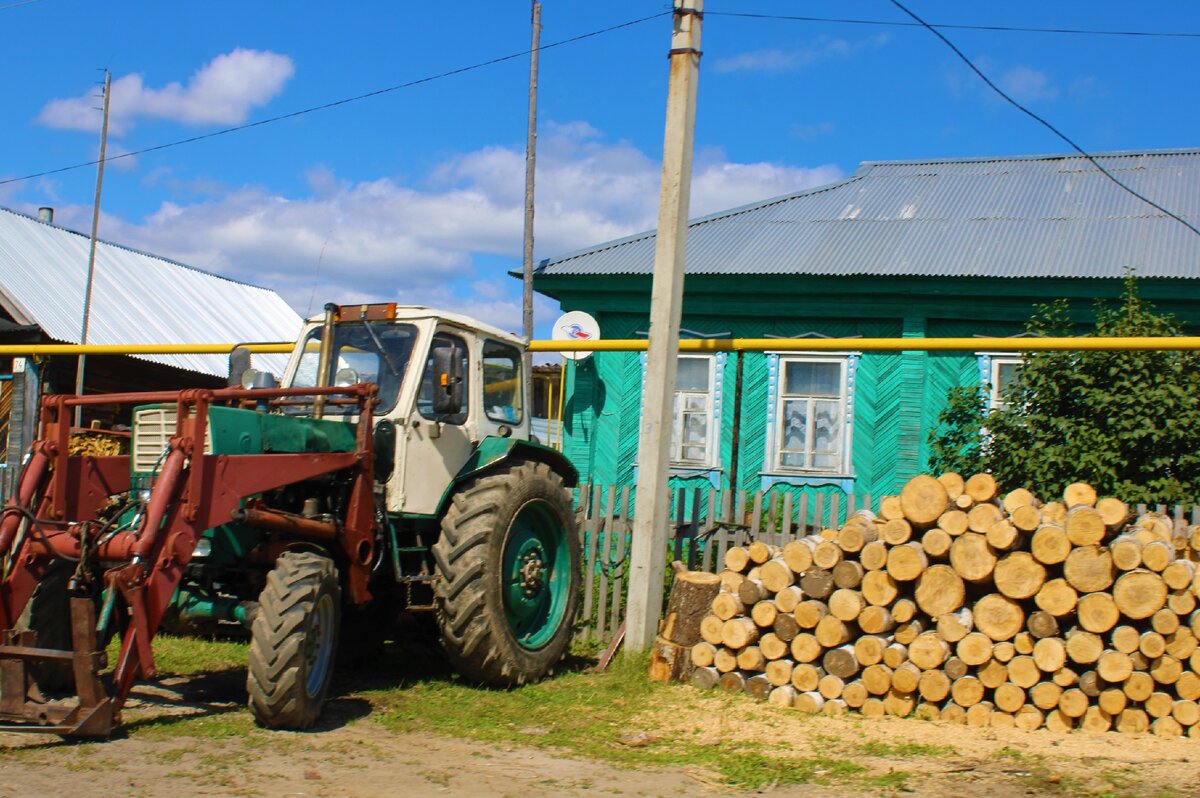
(938, 248)
(137, 298)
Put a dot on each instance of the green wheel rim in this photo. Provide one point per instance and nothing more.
(536, 575)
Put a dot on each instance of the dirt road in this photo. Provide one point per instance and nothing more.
(192, 737)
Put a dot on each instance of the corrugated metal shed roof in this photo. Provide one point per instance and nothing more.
(136, 298)
(1034, 216)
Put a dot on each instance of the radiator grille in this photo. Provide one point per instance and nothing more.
(152, 431)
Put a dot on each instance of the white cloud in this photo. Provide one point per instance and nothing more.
(1025, 85)
(222, 92)
(1022, 83)
(821, 49)
(811, 132)
(448, 241)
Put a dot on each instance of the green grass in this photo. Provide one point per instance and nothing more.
(185, 656)
(904, 750)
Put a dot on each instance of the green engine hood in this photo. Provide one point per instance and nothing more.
(234, 430)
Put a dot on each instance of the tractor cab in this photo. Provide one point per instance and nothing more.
(445, 385)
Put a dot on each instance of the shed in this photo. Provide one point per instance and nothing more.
(136, 298)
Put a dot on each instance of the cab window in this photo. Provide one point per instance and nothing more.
(430, 377)
(369, 351)
(502, 382)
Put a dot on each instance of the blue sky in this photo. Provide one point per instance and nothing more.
(415, 195)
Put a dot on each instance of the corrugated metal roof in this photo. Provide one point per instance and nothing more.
(136, 298)
(1031, 216)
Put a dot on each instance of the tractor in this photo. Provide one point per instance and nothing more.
(390, 473)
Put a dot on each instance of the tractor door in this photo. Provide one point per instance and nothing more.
(438, 436)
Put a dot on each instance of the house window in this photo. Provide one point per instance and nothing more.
(1003, 369)
(692, 432)
(811, 415)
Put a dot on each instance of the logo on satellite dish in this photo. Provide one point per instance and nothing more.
(578, 326)
(575, 332)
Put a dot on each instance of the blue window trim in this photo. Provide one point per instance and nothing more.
(769, 476)
(768, 480)
(711, 473)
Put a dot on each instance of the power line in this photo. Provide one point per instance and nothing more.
(1042, 121)
(337, 103)
(994, 28)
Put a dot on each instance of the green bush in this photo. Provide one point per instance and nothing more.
(1126, 422)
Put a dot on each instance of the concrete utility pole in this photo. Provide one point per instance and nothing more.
(666, 304)
(91, 272)
(530, 162)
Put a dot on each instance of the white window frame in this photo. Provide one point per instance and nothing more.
(713, 425)
(775, 450)
(994, 362)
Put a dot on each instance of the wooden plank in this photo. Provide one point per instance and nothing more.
(722, 541)
(819, 511)
(589, 537)
(787, 517)
(802, 517)
(706, 563)
(676, 539)
(756, 516)
(621, 525)
(605, 561)
(772, 516)
(835, 506)
(739, 537)
(694, 530)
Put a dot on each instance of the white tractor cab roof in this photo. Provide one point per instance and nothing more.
(414, 313)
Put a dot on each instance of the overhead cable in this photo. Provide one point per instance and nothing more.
(994, 28)
(1087, 156)
(335, 103)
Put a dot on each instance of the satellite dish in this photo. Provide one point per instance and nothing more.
(576, 326)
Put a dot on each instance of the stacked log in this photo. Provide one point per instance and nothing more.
(962, 603)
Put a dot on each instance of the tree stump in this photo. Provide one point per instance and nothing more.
(692, 594)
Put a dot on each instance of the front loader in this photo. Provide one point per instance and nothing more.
(393, 473)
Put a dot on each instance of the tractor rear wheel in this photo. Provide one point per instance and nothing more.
(293, 640)
(509, 562)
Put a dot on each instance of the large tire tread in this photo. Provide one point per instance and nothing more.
(277, 670)
(475, 633)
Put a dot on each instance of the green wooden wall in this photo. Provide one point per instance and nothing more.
(897, 396)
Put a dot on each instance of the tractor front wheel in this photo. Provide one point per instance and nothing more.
(293, 640)
(509, 564)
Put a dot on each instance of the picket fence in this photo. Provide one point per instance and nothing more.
(704, 524)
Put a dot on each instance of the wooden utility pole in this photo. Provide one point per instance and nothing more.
(530, 162)
(91, 272)
(647, 553)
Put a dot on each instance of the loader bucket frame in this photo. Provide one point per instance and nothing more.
(54, 515)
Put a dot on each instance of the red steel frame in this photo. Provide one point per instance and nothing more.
(193, 492)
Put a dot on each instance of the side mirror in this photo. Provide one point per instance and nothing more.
(448, 385)
(239, 364)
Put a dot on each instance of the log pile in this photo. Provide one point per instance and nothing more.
(959, 603)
